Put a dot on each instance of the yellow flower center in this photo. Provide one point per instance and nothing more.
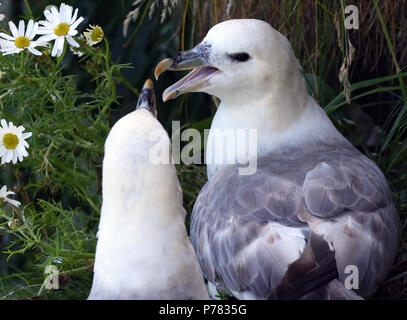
(10, 141)
(61, 29)
(97, 34)
(22, 42)
(1, 201)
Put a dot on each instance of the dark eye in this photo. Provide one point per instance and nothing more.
(240, 56)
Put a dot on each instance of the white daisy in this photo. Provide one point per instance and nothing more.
(21, 38)
(4, 197)
(12, 142)
(58, 26)
(93, 35)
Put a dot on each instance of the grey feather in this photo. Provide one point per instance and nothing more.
(332, 190)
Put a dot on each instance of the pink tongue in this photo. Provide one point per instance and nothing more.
(200, 73)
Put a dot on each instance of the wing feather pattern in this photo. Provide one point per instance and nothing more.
(247, 230)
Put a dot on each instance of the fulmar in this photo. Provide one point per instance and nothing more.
(143, 250)
(315, 211)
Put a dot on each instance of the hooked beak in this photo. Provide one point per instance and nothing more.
(198, 78)
(146, 99)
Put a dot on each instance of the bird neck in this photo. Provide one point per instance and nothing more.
(138, 200)
(272, 124)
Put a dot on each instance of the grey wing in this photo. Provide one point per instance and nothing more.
(245, 231)
(348, 202)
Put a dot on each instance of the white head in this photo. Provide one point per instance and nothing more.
(131, 179)
(252, 68)
(238, 61)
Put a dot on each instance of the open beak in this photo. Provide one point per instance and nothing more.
(146, 99)
(197, 79)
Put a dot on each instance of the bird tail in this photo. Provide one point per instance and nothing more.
(313, 275)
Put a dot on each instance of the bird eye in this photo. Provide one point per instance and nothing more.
(240, 56)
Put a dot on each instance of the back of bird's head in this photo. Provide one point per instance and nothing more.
(134, 139)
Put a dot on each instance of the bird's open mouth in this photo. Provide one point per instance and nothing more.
(196, 59)
(197, 79)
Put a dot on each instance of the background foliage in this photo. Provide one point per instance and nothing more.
(358, 76)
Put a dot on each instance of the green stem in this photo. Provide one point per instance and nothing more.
(111, 81)
(61, 57)
(393, 54)
(127, 83)
(22, 60)
(65, 252)
(107, 54)
(28, 8)
(89, 266)
(39, 293)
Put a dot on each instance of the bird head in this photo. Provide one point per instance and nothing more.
(238, 60)
(130, 144)
(147, 98)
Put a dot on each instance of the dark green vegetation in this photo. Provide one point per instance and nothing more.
(59, 184)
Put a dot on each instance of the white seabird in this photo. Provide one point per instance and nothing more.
(143, 250)
(253, 234)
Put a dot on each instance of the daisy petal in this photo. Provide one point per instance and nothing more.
(13, 29)
(26, 135)
(72, 32)
(7, 156)
(21, 27)
(65, 13)
(30, 27)
(55, 48)
(68, 15)
(74, 16)
(55, 14)
(13, 202)
(46, 38)
(11, 51)
(34, 31)
(4, 124)
(46, 24)
(42, 30)
(62, 10)
(2, 150)
(48, 15)
(34, 51)
(60, 43)
(6, 43)
(14, 159)
(76, 23)
(6, 36)
(72, 42)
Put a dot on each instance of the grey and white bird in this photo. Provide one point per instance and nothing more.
(315, 208)
(143, 250)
